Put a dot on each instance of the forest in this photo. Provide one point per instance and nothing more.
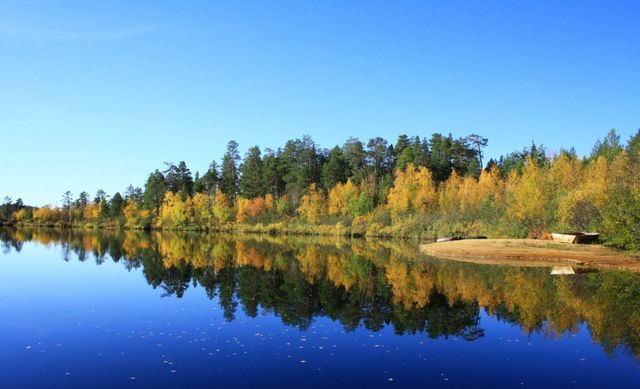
(415, 187)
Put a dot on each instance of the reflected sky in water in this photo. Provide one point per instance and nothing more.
(163, 310)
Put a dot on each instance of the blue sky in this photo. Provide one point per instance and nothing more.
(99, 95)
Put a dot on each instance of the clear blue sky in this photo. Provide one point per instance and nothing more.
(98, 95)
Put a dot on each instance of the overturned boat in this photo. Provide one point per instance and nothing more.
(576, 237)
(562, 270)
(459, 237)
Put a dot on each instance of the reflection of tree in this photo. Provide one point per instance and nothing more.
(362, 283)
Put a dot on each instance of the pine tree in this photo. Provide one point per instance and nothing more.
(251, 183)
(229, 181)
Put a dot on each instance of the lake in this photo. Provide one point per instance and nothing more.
(119, 309)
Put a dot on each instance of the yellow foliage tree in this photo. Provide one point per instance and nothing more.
(19, 216)
(222, 209)
(47, 214)
(312, 205)
(135, 216)
(269, 203)
(340, 196)
(531, 198)
(91, 212)
(202, 209)
(581, 207)
(174, 212)
(413, 190)
(250, 208)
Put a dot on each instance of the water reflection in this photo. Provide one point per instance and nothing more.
(362, 283)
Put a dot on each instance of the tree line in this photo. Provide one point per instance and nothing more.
(413, 187)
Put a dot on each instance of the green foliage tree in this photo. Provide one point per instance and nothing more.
(301, 165)
(355, 156)
(154, 190)
(251, 180)
(273, 173)
(133, 194)
(335, 169)
(609, 147)
(229, 180)
(209, 181)
(116, 205)
(178, 179)
(478, 143)
(621, 215)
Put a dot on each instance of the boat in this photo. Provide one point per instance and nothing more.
(575, 237)
(562, 270)
(459, 237)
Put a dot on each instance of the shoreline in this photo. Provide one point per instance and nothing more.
(274, 229)
(279, 228)
(530, 252)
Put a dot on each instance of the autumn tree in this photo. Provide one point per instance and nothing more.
(222, 208)
(174, 212)
(531, 198)
(621, 215)
(413, 190)
(312, 205)
(341, 197)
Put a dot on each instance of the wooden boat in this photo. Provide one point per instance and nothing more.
(562, 270)
(575, 237)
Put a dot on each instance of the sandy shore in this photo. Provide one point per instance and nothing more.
(529, 252)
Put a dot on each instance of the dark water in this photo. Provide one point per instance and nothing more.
(165, 310)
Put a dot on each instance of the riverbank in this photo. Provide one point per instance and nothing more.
(401, 231)
(530, 252)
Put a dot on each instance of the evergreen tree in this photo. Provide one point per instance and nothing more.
(273, 173)
(412, 151)
(101, 196)
(154, 190)
(355, 156)
(229, 181)
(133, 194)
(440, 161)
(67, 200)
(185, 180)
(379, 157)
(633, 148)
(6, 207)
(178, 179)
(335, 170)
(301, 165)
(116, 204)
(478, 143)
(208, 183)
(251, 182)
(609, 147)
(82, 200)
(401, 144)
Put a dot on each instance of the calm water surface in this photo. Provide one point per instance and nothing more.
(186, 310)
